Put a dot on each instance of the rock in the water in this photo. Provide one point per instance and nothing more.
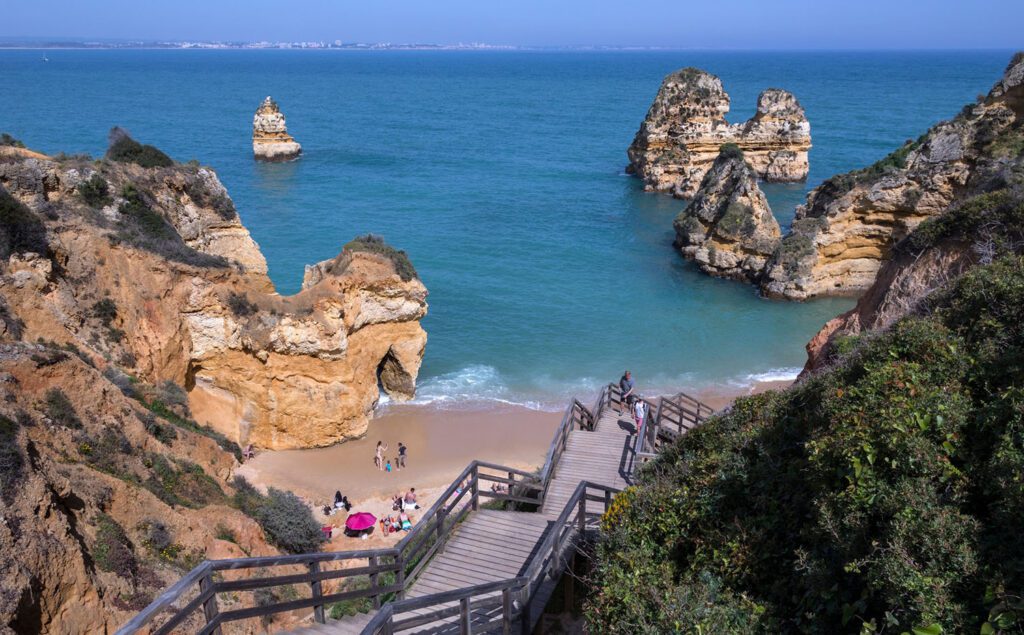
(270, 138)
(844, 233)
(685, 126)
(728, 228)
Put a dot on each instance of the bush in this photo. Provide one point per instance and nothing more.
(144, 228)
(12, 463)
(95, 192)
(162, 432)
(8, 140)
(883, 494)
(728, 151)
(108, 452)
(189, 486)
(124, 149)
(374, 244)
(112, 550)
(21, 231)
(285, 519)
(158, 537)
(105, 311)
(220, 201)
(60, 409)
(240, 305)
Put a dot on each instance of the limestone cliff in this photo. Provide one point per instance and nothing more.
(184, 296)
(845, 232)
(728, 228)
(270, 138)
(685, 126)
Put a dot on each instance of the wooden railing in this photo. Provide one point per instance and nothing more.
(665, 421)
(488, 607)
(382, 574)
(576, 417)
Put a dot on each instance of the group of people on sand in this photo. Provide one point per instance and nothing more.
(631, 400)
(402, 505)
(384, 464)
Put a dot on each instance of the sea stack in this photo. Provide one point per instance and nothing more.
(270, 138)
(728, 228)
(679, 139)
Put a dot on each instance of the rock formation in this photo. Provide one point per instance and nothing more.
(270, 138)
(845, 232)
(685, 126)
(728, 228)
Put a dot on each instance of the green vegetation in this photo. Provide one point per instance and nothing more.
(884, 495)
(143, 227)
(12, 464)
(285, 519)
(8, 140)
(220, 202)
(996, 218)
(838, 185)
(95, 192)
(124, 149)
(728, 151)
(105, 311)
(792, 249)
(375, 245)
(60, 410)
(182, 483)
(738, 220)
(112, 550)
(21, 231)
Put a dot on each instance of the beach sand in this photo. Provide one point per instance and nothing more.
(441, 443)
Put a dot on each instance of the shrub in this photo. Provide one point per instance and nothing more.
(12, 463)
(158, 537)
(995, 217)
(728, 151)
(240, 305)
(285, 519)
(144, 228)
(105, 311)
(107, 452)
(124, 149)
(223, 532)
(160, 409)
(112, 550)
(60, 409)
(21, 231)
(883, 494)
(219, 201)
(162, 432)
(95, 192)
(374, 244)
(8, 140)
(189, 486)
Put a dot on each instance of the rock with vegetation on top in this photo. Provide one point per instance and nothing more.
(685, 126)
(845, 232)
(270, 138)
(728, 228)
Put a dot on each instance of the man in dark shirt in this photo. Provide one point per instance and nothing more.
(626, 386)
(401, 455)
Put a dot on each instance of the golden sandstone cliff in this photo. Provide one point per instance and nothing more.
(133, 303)
(270, 138)
(685, 126)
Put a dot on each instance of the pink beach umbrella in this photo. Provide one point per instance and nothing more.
(360, 521)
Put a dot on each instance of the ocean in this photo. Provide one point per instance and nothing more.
(501, 174)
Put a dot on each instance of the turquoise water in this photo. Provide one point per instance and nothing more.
(502, 176)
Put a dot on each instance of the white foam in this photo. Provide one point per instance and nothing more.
(774, 374)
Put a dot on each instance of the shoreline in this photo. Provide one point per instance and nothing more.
(441, 443)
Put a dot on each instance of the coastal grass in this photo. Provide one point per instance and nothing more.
(95, 192)
(7, 140)
(883, 495)
(371, 243)
(124, 149)
(12, 463)
(21, 230)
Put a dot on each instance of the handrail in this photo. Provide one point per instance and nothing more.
(575, 413)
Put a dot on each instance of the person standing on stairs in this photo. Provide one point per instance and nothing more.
(626, 386)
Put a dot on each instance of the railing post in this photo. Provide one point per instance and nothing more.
(316, 591)
(400, 575)
(374, 578)
(465, 623)
(442, 516)
(607, 499)
(475, 502)
(210, 605)
(506, 611)
(581, 515)
(526, 617)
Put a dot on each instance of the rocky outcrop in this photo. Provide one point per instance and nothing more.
(845, 232)
(270, 138)
(680, 138)
(728, 228)
(183, 296)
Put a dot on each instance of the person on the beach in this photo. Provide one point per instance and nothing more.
(378, 458)
(388, 466)
(639, 409)
(410, 499)
(626, 386)
(401, 455)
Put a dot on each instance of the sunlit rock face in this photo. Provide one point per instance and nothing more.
(270, 138)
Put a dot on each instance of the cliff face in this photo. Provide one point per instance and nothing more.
(680, 138)
(183, 295)
(270, 138)
(844, 233)
(728, 228)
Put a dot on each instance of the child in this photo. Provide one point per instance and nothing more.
(406, 523)
(388, 468)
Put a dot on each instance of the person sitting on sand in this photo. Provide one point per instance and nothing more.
(410, 499)
(462, 486)
(499, 489)
(378, 458)
(406, 522)
(626, 387)
(396, 502)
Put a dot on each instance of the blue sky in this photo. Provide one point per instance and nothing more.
(715, 24)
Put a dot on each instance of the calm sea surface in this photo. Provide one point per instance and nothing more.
(502, 176)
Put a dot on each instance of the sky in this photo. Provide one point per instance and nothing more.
(709, 24)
